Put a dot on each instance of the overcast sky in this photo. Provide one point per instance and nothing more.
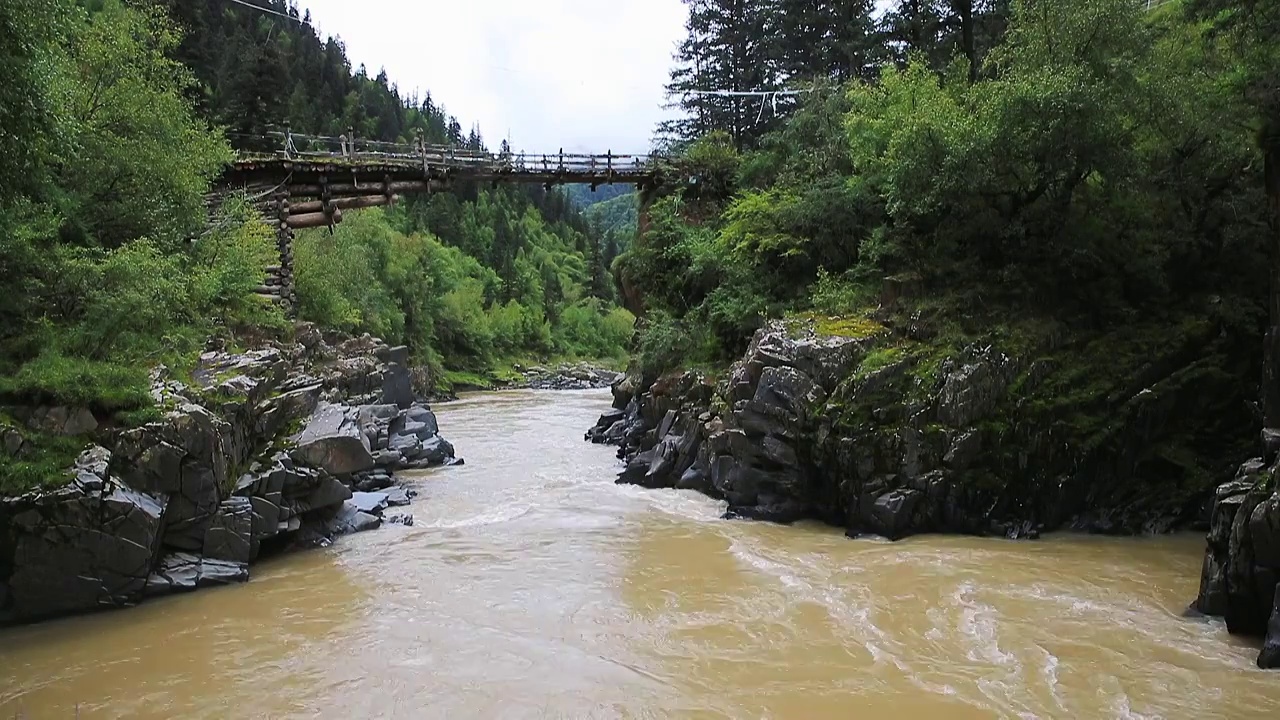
(582, 74)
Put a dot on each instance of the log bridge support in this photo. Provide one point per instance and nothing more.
(293, 211)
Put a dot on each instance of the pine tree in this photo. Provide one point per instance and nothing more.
(727, 49)
(825, 38)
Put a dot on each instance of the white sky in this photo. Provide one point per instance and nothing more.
(582, 74)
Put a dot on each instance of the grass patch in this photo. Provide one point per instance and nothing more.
(857, 327)
(56, 379)
(43, 465)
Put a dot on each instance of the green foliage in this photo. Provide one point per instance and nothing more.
(448, 305)
(44, 464)
(54, 378)
(137, 161)
(102, 276)
(1091, 165)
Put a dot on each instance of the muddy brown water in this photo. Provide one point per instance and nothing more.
(531, 586)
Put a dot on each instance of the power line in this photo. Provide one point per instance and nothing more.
(267, 10)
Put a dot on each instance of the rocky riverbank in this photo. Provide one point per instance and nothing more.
(878, 429)
(576, 376)
(288, 445)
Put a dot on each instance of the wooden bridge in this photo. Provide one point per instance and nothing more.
(302, 181)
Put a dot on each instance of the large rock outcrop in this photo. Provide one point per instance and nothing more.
(262, 447)
(1240, 581)
(877, 427)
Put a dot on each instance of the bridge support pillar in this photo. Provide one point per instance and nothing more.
(284, 274)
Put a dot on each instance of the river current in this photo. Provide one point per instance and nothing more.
(532, 586)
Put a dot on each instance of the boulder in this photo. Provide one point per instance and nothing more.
(397, 497)
(329, 493)
(892, 512)
(332, 440)
(1270, 656)
(423, 415)
(80, 422)
(437, 450)
(350, 519)
(230, 534)
(87, 545)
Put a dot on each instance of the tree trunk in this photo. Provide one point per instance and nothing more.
(964, 9)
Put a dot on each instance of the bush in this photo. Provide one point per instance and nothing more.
(56, 379)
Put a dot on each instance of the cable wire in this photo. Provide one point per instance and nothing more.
(268, 10)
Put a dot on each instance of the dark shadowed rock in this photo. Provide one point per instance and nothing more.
(892, 512)
(1270, 656)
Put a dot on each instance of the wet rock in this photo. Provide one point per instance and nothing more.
(424, 415)
(437, 450)
(892, 512)
(637, 468)
(397, 497)
(1270, 656)
(184, 572)
(350, 519)
(333, 441)
(404, 519)
(230, 534)
(370, 502)
(328, 493)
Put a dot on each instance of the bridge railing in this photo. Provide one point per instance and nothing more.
(292, 146)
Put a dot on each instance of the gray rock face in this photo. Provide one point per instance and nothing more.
(332, 440)
(87, 545)
(1241, 570)
(189, 501)
(230, 534)
(397, 388)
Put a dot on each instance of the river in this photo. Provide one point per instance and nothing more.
(531, 586)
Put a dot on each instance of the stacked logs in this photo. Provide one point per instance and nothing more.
(290, 216)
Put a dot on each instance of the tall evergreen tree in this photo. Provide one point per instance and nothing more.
(825, 38)
(727, 50)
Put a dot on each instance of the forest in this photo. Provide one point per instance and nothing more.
(118, 116)
(1092, 162)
